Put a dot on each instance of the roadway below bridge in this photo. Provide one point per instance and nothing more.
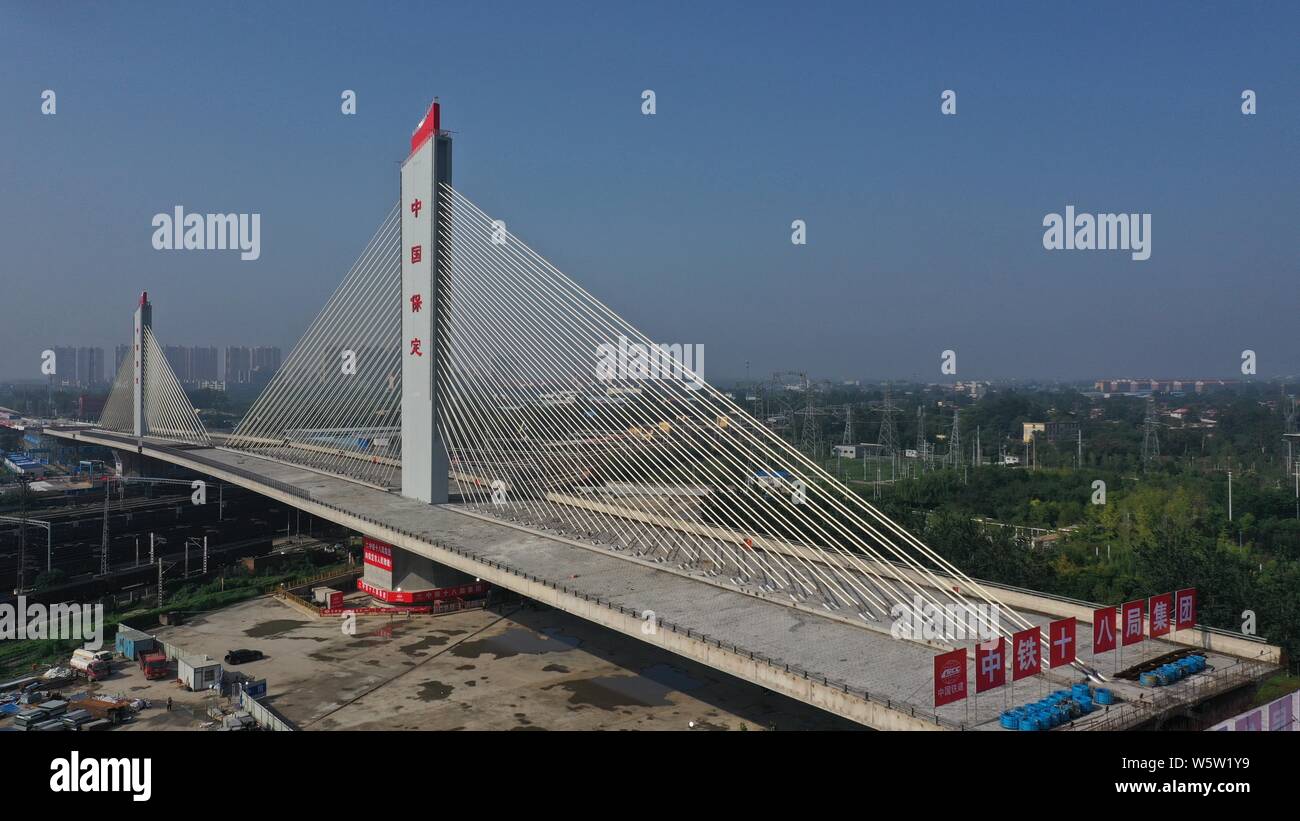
(855, 672)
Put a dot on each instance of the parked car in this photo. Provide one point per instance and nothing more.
(242, 656)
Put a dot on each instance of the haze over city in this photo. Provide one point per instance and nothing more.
(924, 231)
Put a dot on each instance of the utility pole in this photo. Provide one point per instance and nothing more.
(920, 434)
(1150, 439)
(160, 587)
(810, 439)
(888, 435)
(1230, 496)
(23, 481)
(205, 555)
(103, 548)
(954, 438)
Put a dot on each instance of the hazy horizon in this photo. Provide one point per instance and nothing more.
(925, 232)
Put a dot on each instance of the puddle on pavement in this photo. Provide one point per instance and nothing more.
(517, 640)
(415, 648)
(648, 689)
(274, 627)
(434, 691)
(671, 677)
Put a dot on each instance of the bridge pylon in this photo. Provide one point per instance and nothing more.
(423, 211)
(143, 325)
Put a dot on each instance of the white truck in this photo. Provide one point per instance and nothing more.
(90, 664)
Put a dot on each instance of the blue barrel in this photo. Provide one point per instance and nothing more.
(1010, 719)
(1030, 722)
(1149, 680)
(1081, 689)
(1084, 705)
(1104, 696)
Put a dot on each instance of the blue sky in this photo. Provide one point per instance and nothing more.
(924, 231)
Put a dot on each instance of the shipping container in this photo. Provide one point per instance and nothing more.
(198, 672)
(133, 643)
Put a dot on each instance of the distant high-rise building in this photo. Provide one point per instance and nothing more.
(243, 361)
(179, 358)
(80, 367)
(239, 361)
(266, 359)
(123, 352)
(203, 364)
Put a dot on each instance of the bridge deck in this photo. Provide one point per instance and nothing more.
(840, 653)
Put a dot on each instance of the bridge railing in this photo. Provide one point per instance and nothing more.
(283, 487)
(913, 710)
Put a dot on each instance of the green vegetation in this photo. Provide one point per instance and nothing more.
(19, 658)
(1164, 524)
(1276, 687)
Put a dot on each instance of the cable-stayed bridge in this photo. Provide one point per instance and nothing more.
(462, 400)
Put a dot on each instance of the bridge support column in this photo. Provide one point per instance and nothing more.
(397, 576)
(424, 456)
(143, 320)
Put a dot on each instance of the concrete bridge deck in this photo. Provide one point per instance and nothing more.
(858, 673)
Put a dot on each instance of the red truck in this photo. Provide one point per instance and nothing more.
(154, 666)
(87, 664)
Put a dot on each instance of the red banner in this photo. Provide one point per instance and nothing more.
(1162, 614)
(1027, 660)
(1185, 609)
(990, 665)
(1132, 623)
(377, 553)
(460, 591)
(375, 611)
(1061, 644)
(1103, 630)
(949, 677)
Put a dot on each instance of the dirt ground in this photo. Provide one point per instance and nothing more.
(513, 668)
